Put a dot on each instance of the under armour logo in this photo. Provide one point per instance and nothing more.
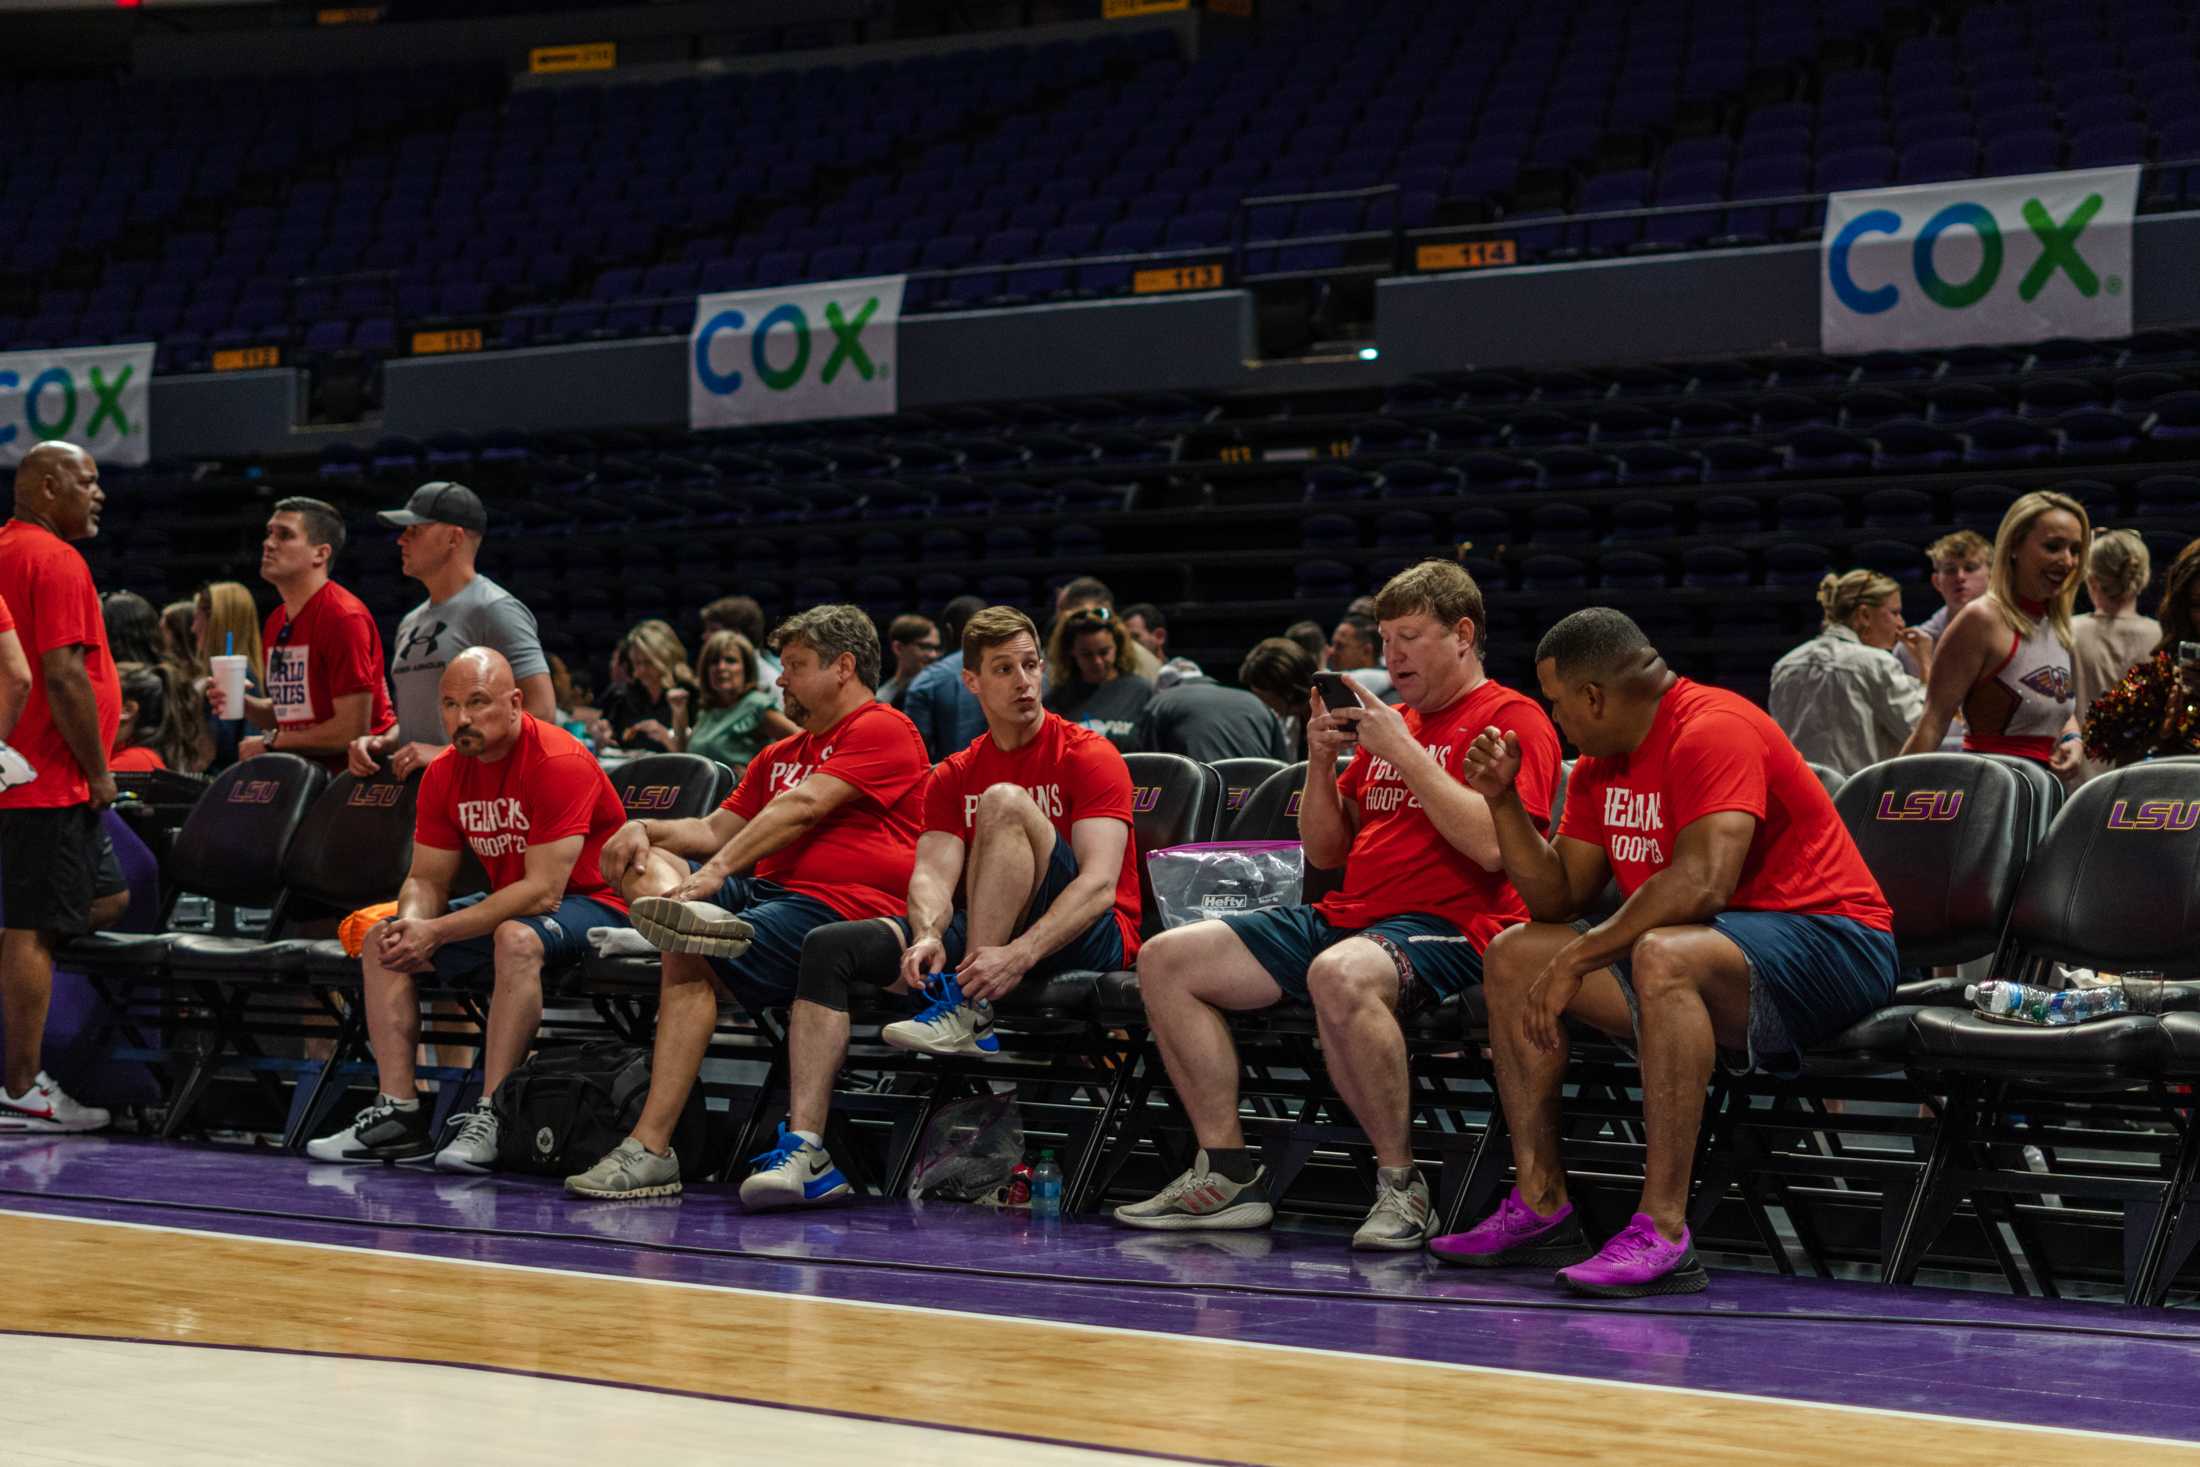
(417, 636)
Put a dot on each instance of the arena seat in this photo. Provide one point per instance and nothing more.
(352, 849)
(653, 787)
(1271, 810)
(2115, 886)
(1240, 777)
(1948, 838)
(234, 848)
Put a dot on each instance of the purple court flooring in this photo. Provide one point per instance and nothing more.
(1974, 1355)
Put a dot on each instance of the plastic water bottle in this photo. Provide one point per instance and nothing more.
(1046, 1187)
(2004, 999)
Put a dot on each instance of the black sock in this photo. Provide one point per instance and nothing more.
(1233, 1163)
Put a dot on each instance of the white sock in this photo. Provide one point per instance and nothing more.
(810, 1136)
(406, 1105)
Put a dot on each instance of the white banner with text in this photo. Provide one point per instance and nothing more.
(794, 352)
(1977, 263)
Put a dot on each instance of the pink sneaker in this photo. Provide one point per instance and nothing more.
(1637, 1264)
(1516, 1237)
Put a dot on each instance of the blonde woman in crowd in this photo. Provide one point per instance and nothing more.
(1841, 697)
(2004, 663)
(2113, 637)
(226, 622)
(649, 711)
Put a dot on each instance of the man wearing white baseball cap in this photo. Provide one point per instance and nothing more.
(440, 531)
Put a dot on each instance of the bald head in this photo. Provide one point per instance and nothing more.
(482, 712)
(483, 665)
(57, 485)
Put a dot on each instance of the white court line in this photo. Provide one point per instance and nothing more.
(1445, 1366)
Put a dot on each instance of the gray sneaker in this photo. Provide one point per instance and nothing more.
(629, 1169)
(690, 927)
(1202, 1199)
(1401, 1217)
(474, 1148)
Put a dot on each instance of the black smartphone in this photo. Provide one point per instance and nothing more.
(1336, 691)
(2188, 653)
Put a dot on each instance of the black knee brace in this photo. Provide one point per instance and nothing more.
(839, 955)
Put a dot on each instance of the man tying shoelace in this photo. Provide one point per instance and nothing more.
(1034, 820)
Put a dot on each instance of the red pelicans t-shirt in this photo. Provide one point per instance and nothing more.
(547, 788)
(1071, 774)
(857, 860)
(1709, 750)
(1399, 861)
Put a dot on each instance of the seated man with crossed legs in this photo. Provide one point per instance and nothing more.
(822, 828)
(1034, 820)
(1751, 925)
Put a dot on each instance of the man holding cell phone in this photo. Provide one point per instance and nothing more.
(1423, 893)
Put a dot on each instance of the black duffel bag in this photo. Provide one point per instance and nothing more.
(558, 1113)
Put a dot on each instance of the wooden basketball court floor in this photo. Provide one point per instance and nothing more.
(186, 1305)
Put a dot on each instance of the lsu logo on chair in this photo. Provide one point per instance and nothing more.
(2154, 815)
(255, 792)
(1234, 796)
(638, 798)
(1933, 805)
(1145, 799)
(376, 796)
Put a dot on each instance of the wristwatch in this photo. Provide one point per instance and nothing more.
(269, 741)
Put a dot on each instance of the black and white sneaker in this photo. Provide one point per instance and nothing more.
(381, 1132)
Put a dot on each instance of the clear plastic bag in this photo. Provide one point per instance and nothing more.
(969, 1149)
(1222, 878)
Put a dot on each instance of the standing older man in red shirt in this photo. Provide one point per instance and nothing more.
(56, 866)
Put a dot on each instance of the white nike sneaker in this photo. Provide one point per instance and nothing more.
(950, 1024)
(46, 1108)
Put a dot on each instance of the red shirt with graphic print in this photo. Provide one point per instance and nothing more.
(857, 859)
(547, 788)
(1709, 750)
(1399, 861)
(330, 650)
(1071, 773)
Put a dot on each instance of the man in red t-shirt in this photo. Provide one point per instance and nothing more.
(1421, 896)
(1749, 924)
(58, 874)
(535, 808)
(15, 691)
(1033, 822)
(822, 828)
(325, 682)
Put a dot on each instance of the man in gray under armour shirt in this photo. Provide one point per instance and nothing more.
(440, 532)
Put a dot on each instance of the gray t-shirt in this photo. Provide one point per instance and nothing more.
(483, 614)
(1110, 709)
(1206, 721)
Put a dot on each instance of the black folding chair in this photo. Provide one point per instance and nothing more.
(234, 848)
(2115, 886)
(1948, 837)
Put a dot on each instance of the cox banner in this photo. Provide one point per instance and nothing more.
(795, 352)
(97, 397)
(1971, 264)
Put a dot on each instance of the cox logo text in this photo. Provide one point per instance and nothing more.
(2058, 251)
